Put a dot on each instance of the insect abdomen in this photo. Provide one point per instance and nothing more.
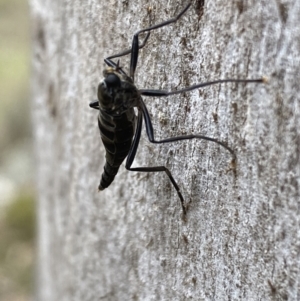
(116, 134)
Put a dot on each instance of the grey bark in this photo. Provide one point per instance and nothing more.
(241, 238)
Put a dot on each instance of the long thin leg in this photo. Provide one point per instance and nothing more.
(162, 93)
(111, 63)
(128, 51)
(131, 156)
(135, 40)
(150, 133)
(108, 61)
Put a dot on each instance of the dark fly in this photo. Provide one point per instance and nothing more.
(120, 128)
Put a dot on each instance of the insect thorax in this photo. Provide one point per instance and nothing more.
(117, 93)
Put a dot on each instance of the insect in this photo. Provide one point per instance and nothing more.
(120, 128)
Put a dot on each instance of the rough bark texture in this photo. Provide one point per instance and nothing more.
(241, 240)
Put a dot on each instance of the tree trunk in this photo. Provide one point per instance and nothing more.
(129, 242)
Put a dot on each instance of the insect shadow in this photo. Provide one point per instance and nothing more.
(120, 128)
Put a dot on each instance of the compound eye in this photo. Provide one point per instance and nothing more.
(112, 81)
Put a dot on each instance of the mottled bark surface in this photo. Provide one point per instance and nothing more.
(241, 239)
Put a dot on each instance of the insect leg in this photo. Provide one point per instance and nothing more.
(150, 133)
(94, 104)
(161, 93)
(135, 40)
(131, 156)
(111, 63)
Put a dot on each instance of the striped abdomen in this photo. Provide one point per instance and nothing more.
(116, 133)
